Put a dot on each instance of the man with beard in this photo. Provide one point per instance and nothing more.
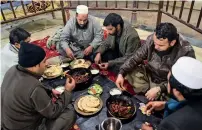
(81, 36)
(161, 50)
(183, 110)
(25, 103)
(123, 40)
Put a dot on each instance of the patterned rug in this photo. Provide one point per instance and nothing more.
(53, 52)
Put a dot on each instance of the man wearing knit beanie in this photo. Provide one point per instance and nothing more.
(183, 110)
(25, 101)
(31, 56)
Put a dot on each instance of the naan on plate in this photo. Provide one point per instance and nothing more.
(53, 71)
(80, 63)
(88, 104)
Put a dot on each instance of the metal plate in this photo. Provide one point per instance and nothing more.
(55, 76)
(72, 66)
(84, 113)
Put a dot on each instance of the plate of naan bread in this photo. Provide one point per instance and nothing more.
(52, 71)
(88, 105)
(80, 63)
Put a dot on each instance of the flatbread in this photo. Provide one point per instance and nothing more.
(88, 104)
(143, 110)
(80, 63)
(53, 70)
(93, 101)
(88, 109)
(79, 103)
(80, 66)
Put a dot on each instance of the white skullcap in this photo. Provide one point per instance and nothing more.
(188, 71)
(82, 9)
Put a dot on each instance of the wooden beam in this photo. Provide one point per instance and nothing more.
(126, 4)
(190, 11)
(148, 4)
(174, 4)
(181, 10)
(183, 22)
(2, 13)
(199, 18)
(34, 6)
(115, 4)
(63, 12)
(159, 15)
(167, 5)
(12, 9)
(90, 8)
(53, 14)
(23, 7)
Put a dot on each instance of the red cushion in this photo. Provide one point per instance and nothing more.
(49, 52)
(53, 52)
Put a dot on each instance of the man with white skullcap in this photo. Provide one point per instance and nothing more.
(81, 36)
(184, 109)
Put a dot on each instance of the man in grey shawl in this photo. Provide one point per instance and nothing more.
(81, 36)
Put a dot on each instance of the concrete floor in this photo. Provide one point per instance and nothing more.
(44, 25)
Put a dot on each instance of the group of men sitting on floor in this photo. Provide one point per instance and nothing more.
(163, 68)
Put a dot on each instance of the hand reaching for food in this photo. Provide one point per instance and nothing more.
(55, 93)
(70, 53)
(144, 110)
(155, 105)
(104, 66)
(120, 82)
(97, 58)
(88, 50)
(70, 84)
(146, 126)
(152, 94)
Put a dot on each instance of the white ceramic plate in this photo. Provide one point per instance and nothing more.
(94, 72)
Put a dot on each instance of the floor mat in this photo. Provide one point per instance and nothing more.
(42, 43)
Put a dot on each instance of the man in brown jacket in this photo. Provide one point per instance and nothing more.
(25, 102)
(161, 50)
(120, 44)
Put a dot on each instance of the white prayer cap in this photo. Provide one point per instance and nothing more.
(82, 9)
(188, 71)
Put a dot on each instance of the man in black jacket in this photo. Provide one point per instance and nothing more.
(161, 50)
(183, 110)
(25, 102)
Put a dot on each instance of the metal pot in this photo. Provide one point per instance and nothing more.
(126, 100)
(81, 71)
(111, 124)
